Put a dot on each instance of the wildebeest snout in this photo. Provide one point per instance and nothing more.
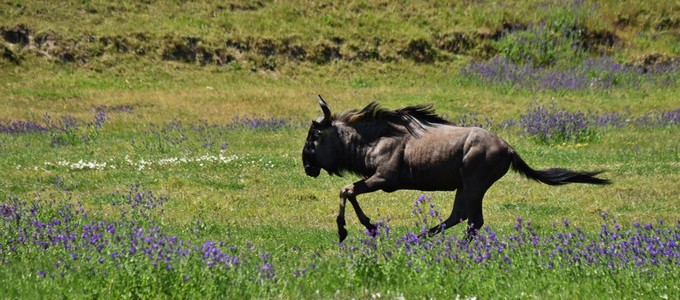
(312, 170)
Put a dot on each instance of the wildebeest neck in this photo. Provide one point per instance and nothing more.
(359, 140)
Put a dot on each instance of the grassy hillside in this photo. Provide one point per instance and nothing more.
(148, 53)
(208, 32)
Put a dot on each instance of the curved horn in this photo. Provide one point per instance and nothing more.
(325, 108)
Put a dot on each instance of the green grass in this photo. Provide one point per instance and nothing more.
(244, 186)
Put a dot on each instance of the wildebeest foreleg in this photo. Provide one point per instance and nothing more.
(366, 221)
(349, 193)
(342, 232)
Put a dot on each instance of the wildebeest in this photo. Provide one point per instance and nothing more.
(413, 148)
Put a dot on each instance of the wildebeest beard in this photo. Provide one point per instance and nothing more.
(308, 160)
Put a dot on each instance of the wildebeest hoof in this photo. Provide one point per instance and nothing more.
(342, 234)
(471, 234)
(372, 230)
(430, 233)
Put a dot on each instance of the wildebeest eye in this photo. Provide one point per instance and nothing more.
(313, 134)
(320, 126)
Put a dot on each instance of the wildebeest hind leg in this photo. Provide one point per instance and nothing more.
(475, 195)
(457, 215)
(476, 217)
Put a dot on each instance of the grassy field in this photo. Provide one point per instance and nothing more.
(151, 149)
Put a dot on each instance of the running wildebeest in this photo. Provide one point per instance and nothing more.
(413, 148)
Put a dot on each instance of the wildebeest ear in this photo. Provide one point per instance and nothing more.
(326, 109)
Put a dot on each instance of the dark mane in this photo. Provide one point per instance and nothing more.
(410, 117)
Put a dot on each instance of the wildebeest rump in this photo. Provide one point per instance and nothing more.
(413, 148)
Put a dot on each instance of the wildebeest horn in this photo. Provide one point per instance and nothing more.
(325, 108)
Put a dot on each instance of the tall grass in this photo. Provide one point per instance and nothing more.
(54, 246)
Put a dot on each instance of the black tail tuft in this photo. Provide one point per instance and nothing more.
(554, 176)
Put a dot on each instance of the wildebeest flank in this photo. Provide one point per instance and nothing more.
(413, 148)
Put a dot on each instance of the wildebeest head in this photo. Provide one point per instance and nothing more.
(318, 152)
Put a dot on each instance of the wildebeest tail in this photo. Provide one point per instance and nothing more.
(554, 176)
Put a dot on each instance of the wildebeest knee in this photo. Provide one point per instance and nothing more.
(347, 191)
